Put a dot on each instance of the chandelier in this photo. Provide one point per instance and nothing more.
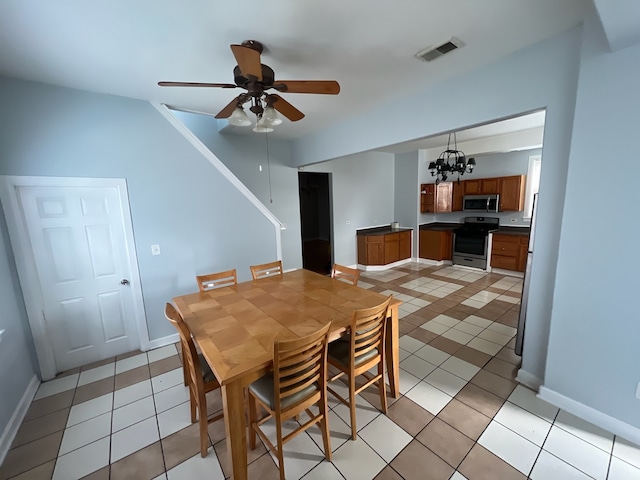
(262, 106)
(450, 162)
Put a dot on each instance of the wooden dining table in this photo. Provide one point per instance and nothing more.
(236, 327)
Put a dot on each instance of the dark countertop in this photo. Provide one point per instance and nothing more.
(381, 230)
(440, 226)
(450, 226)
(508, 230)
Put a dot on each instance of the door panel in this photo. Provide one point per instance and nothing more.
(79, 246)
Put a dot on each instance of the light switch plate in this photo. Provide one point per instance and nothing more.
(637, 390)
(1, 334)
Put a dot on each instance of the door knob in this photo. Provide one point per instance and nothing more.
(124, 281)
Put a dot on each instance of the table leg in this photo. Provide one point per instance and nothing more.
(235, 427)
(391, 352)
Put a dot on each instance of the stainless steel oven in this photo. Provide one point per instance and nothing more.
(471, 241)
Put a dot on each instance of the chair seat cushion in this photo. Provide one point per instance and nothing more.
(340, 351)
(207, 374)
(263, 389)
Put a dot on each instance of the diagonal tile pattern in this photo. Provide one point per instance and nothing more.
(461, 414)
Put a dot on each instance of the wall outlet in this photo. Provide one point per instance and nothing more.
(637, 390)
(514, 220)
(155, 249)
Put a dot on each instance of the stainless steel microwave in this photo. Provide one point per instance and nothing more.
(481, 203)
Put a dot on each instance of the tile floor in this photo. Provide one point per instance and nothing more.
(461, 413)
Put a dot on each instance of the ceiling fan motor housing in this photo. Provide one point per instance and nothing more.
(268, 77)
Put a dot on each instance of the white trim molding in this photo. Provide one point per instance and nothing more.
(380, 268)
(602, 420)
(162, 342)
(228, 174)
(11, 430)
(529, 379)
(28, 272)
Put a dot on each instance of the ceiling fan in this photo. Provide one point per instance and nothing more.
(256, 78)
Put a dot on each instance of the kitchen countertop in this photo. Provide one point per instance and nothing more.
(381, 230)
(509, 230)
(450, 226)
(440, 226)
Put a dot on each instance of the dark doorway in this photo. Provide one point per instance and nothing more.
(315, 221)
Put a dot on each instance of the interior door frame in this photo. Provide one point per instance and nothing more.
(26, 264)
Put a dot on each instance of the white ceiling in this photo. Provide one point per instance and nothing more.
(124, 47)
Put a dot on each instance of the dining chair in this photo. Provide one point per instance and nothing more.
(216, 280)
(348, 274)
(298, 381)
(266, 269)
(201, 379)
(358, 352)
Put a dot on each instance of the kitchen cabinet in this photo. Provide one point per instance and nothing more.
(512, 193)
(482, 186)
(435, 198)
(436, 244)
(457, 196)
(382, 248)
(509, 251)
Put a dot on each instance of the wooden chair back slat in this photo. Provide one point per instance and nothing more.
(211, 281)
(266, 269)
(347, 274)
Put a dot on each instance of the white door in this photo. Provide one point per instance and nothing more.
(80, 255)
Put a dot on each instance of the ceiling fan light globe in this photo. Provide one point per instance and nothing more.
(270, 117)
(262, 128)
(239, 118)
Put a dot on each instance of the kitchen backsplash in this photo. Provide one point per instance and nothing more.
(513, 219)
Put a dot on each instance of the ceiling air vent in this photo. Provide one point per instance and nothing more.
(431, 53)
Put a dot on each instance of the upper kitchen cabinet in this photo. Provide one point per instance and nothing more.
(482, 186)
(435, 198)
(456, 196)
(512, 193)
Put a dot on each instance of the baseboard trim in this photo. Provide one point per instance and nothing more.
(602, 420)
(380, 268)
(529, 379)
(11, 430)
(162, 342)
(510, 273)
(436, 263)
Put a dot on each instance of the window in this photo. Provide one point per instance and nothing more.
(533, 184)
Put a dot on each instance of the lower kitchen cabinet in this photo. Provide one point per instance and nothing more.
(436, 244)
(509, 252)
(382, 249)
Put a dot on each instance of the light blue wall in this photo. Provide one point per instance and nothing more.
(362, 188)
(406, 194)
(17, 354)
(543, 75)
(594, 356)
(243, 154)
(494, 165)
(178, 199)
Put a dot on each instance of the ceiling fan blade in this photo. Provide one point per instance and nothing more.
(196, 84)
(326, 87)
(248, 60)
(228, 110)
(285, 108)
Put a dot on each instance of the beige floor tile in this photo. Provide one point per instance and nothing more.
(130, 377)
(252, 455)
(446, 345)
(508, 355)
(30, 455)
(181, 446)
(102, 474)
(480, 399)
(165, 365)
(43, 472)
(93, 390)
(504, 369)
(263, 468)
(471, 355)
(416, 459)
(409, 415)
(496, 384)
(50, 404)
(41, 427)
(144, 464)
(464, 419)
(481, 464)
(445, 441)
(388, 474)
